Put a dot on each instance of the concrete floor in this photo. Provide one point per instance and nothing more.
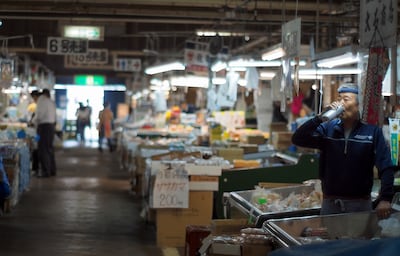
(87, 209)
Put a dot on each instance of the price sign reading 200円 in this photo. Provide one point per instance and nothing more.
(171, 186)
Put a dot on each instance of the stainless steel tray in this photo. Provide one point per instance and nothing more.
(288, 231)
(242, 200)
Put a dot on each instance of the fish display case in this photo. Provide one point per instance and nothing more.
(275, 203)
(289, 232)
(293, 170)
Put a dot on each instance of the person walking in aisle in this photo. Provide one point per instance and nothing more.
(82, 120)
(106, 117)
(45, 121)
(32, 110)
(349, 150)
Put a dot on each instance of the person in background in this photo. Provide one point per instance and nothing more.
(82, 120)
(5, 188)
(45, 121)
(89, 111)
(31, 110)
(106, 117)
(349, 150)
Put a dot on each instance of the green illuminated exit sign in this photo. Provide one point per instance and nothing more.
(89, 80)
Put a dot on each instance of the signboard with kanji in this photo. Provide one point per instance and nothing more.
(171, 186)
(196, 57)
(291, 34)
(66, 46)
(127, 64)
(378, 23)
(92, 57)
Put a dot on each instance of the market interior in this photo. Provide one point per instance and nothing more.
(194, 155)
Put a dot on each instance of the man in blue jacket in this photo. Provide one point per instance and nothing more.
(349, 150)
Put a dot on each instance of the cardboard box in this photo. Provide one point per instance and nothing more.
(228, 226)
(225, 249)
(282, 140)
(172, 223)
(249, 148)
(230, 153)
(255, 139)
(256, 249)
(203, 183)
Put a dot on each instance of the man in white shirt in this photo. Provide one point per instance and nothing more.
(45, 120)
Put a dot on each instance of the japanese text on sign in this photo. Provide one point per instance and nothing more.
(378, 23)
(66, 46)
(93, 56)
(127, 64)
(171, 186)
(291, 32)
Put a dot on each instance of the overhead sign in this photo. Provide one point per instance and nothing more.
(89, 80)
(127, 64)
(378, 23)
(85, 32)
(196, 57)
(66, 46)
(92, 57)
(291, 37)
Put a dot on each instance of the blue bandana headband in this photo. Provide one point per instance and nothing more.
(347, 89)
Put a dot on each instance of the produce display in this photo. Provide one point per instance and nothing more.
(269, 201)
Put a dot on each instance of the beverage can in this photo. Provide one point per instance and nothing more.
(332, 113)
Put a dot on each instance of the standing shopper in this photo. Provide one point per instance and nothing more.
(106, 117)
(45, 119)
(349, 150)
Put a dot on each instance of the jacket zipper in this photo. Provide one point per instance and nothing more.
(345, 146)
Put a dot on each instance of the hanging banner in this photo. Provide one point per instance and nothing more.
(291, 33)
(196, 57)
(378, 63)
(171, 185)
(378, 23)
(394, 127)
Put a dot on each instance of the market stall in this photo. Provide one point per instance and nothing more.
(262, 204)
(295, 170)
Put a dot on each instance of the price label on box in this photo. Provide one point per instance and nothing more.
(171, 186)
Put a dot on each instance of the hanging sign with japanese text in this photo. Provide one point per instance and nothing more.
(128, 64)
(394, 128)
(66, 46)
(92, 57)
(378, 23)
(196, 57)
(171, 185)
(291, 34)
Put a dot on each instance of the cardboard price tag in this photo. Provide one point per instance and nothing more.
(171, 186)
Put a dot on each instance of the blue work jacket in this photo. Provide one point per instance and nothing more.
(346, 164)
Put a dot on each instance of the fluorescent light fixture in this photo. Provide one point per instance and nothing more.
(242, 82)
(87, 32)
(260, 63)
(253, 63)
(334, 71)
(345, 59)
(273, 52)
(218, 33)
(218, 66)
(157, 85)
(190, 81)
(267, 75)
(337, 57)
(219, 80)
(164, 68)
(309, 77)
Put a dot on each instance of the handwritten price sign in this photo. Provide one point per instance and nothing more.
(171, 186)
